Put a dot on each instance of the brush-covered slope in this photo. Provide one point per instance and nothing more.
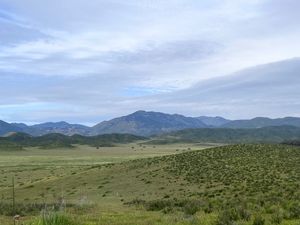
(256, 177)
(55, 140)
(228, 135)
(147, 123)
(9, 146)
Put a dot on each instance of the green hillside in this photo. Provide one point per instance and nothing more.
(55, 140)
(228, 135)
(230, 184)
(9, 146)
(259, 122)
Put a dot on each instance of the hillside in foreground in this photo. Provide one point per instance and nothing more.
(238, 183)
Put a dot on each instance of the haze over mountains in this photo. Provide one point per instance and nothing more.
(145, 124)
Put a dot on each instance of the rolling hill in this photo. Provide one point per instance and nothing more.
(228, 135)
(55, 140)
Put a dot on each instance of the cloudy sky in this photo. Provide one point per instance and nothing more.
(86, 61)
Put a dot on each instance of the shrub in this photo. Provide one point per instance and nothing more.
(294, 210)
(191, 207)
(28, 209)
(258, 220)
(244, 214)
(277, 215)
(277, 218)
(158, 205)
(208, 208)
(53, 219)
(227, 217)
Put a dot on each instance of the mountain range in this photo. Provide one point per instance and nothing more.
(145, 124)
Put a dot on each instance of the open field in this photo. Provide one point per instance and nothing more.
(145, 184)
(87, 155)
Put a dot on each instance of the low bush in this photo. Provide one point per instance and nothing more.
(53, 219)
(258, 220)
(6, 209)
(294, 210)
(227, 217)
(189, 207)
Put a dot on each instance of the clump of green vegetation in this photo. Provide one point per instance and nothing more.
(28, 208)
(294, 210)
(188, 206)
(258, 220)
(229, 216)
(53, 219)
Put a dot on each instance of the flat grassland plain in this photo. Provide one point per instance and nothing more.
(152, 184)
(44, 175)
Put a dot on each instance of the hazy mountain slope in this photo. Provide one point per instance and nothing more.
(147, 123)
(139, 123)
(22, 126)
(213, 121)
(7, 127)
(58, 127)
(228, 135)
(45, 128)
(263, 122)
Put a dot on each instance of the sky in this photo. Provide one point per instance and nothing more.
(87, 61)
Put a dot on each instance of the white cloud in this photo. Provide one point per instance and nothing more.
(98, 50)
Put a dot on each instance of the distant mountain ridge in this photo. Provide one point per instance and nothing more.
(216, 121)
(59, 127)
(8, 127)
(146, 124)
(260, 122)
